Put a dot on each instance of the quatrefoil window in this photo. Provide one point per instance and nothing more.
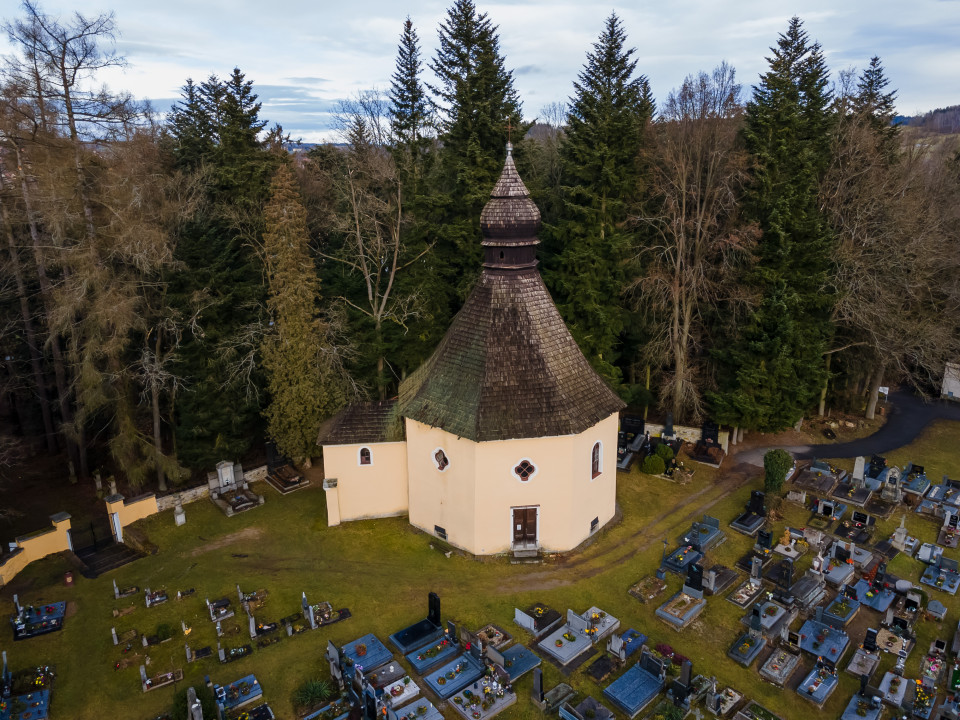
(525, 470)
(440, 458)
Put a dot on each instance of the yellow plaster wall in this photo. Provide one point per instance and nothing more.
(134, 509)
(36, 546)
(367, 491)
(473, 498)
(442, 498)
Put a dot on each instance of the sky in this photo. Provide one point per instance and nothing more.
(305, 56)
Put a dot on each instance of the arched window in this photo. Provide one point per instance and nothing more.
(596, 460)
(440, 458)
(365, 457)
(524, 470)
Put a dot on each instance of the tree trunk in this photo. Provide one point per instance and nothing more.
(46, 292)
(646, 404)
(823, 390)
(874, 391)
(31, 336)
(157, 437)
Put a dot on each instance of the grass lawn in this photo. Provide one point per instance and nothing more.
(383, 569)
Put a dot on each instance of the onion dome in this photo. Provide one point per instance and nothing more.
(510, 221)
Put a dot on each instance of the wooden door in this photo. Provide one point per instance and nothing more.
(524, 525)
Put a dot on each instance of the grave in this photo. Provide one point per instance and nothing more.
(681, 558)
(820, 683)
(436, 653)
(684, 607)
(864, 705)
(457, 674)
(120, 593)
(588, 708)
(194, 655)
(933, 667)
(237, 694)
(949, 531)
(569, 641)
(252, 600)
(401, 691)
(755, 711)
(159, 680)
(876, 595)
(774, 618)
(950, 708)
(923, 701)
(843, 609)
(844, 551)
(877, 473)
(647, 589)
(488, 697)
(538, 619)
(823, 640)
(751, 588)
(779, 667)
(219, 609)
(638, 686)
(818, 477)
(285, 479)
(229, 489)
(33, 620)
(261, 631)
(751, 520)
(903, 542)
(867, 657)
(494, 636)
(339, 710)
(154, 597)
(750, 644)
(423, 632)
(810, 590)
(791, 544)
(915, 481)
(704, 535)
(893, 688)
(553, 698)
(367, 652)
(853, 491)
(722, 703)
(839, 569)
(321, 613)
(228, 655)
(421, 709)
(25, 694)
(825, 512)
(930, 554)
(717, 579)
(943, 576)
(516, 661)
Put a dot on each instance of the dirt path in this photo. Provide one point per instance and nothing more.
(250, 533)
(640, 541)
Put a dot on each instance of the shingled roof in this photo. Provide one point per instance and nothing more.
(371, 422)
(508, 367)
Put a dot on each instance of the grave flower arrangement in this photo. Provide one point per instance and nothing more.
(569, 637)
(559, 642)
(361, 650)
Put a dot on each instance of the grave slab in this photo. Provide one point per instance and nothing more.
(779, 667)
(822, 640)
(878, 599)
(893, 689)
(634, 690)
(862, 708)
(746, 648)
(366, 651)
(421, 709)
(454, 676)
(518, 661)
(435, 654)
(818, 685)
(942, 579)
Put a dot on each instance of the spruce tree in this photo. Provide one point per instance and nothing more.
(771, 371)
(476, 100)
(409, 108)
(601, 185)
(302, 387)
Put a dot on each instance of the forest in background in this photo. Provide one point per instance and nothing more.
(177, 289)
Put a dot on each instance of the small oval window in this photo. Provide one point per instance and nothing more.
(440, 458)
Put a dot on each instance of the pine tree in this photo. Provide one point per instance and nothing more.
(601, 184)
(410, 109)
(476, 101)
(772, 371)
(303, 388)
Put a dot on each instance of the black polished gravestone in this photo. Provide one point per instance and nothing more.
(694, 577)
(870, 640)
(785, 574)
(433, 608)
(755, 505)
(765, 539)
(538, 686)
(710, 433)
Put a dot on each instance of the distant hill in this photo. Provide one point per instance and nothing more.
(942, 121)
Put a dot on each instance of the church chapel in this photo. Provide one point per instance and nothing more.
(505, 439)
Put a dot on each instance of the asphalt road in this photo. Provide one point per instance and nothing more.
(907, 416)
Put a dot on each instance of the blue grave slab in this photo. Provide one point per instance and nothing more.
(429, 656)
(38, 620)
(682, 557)
(861, 708)
(518, 660)
(633, 640)
(915, 483)
(376, 653)
(415, 636)
(455, 676)
(818, 685)
(634, 690)
(940, 578)
(36, 706)
(822, 640)
(243, 691)
(873, 598)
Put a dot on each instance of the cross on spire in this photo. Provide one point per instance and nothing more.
(509, 128)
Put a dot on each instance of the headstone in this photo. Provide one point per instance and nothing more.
(433, 605)
(194, 710)
(668, 426)
(695, 577)
(179, 516)
(615, 646)
(785, 574)
(113, 633)
(116, 591)
(538, 686)
(186, 647)
(870, 640)
(97, 481)
(253, 628)
(858, 468)
(765, 539)
(576, 622)
(308, 614)
(899, 540)
(685, 671)
(710, 580)
(113, 486)
(757, 499)
(143, 674)
(16, 604)
(756, 570)
(864, 679)
(756, 620)
(333, 658)
(452, 631)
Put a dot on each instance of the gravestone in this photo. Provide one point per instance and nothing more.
(538, 686)
(756, 620)
(307, 609)
(765, 539)
(899, 540)
(179, 516)
(113, 633)
(858, 468)
(710, 432)
(870, 640)
(695, 578)
(668, 426)
(194, 710)
(333, 658)
(616, 647)
(785, 574)
(710, 580)
(452, 631)
(113, 486)
(433, 607)
(755, 505)
(577, 623)
(756, 570)
(116, 592)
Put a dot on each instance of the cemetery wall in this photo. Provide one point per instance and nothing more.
(129, 511)
(35, 546)
(689, 434)
(951, 382)
(366, 491)
(168, 502)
